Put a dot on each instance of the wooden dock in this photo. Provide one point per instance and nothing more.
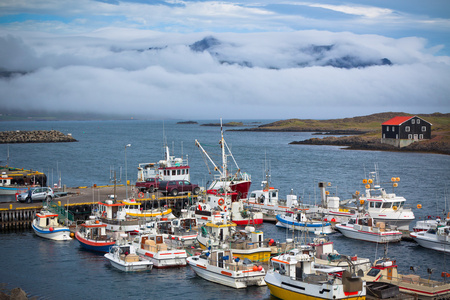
(79, 202)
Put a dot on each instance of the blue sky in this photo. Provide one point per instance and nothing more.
(276, 59)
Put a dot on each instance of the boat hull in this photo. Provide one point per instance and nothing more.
(4, 190)
(431, 243)
(93, 245)
(57, 234)
(165, 259)
(227, 278)
(243, 222)
(315, 227)
(386, 237)
(289, 289)
(142, 265)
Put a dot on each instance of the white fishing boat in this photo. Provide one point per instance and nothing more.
(366, 229)
(154, 248)
(379, 204)
(180, 230)
(267, 200)
(294, 275)
(247, 243)
(220, 267)
(297, 220)
(46, 225)
(436, 238)
(424, 225)
(124, 257)
(169, 168)
(239, 182)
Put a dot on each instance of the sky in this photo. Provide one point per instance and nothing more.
(262, 59)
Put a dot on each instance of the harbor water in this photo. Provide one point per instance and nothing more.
(56, 270)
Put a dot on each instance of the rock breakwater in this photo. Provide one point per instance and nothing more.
(35, 136)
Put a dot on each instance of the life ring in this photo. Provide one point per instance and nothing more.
(221, 201)
(104, 214)
(141, 195)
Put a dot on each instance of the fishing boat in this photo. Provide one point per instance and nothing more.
(424, 225)
(297, 220)
(267, 200)
(181, 230)
(124, 257)
(220, 267)
(294, 275)
(239, 182)
(436, 238)
(247, 243)
(154, 248)
(92, 235)
(169, 168)
(242, 214)
(364, 228)
(46, 225)
(379, 204)
(326, 255)
(15, 181)
(384, 270)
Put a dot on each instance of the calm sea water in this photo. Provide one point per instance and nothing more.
(55, 270)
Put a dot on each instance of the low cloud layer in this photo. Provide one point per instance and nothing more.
(299, 74)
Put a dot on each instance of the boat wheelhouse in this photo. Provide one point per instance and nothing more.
(124, 257)
(169, 168)
(436, 238)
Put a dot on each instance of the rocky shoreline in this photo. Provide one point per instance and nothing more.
(35, 136)
(435, 145)
(14, 294)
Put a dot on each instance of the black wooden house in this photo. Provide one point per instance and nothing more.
(401, 131)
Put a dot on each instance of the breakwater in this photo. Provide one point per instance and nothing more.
(35, 136)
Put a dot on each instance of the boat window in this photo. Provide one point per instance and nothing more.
(351, 221)
(274, 194)
(276, 266)
(387, 205)
(373, 272)
(371, 204)
(178, 172)
(431, 231)
(283, 270)
(377, 204)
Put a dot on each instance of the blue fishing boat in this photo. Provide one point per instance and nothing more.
(297, 220)
(92, 236)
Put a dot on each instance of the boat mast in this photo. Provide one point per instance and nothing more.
(224, 157)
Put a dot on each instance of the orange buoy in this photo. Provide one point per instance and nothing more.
(419, 206)
(364, 181)
(51, 229)
(255, 268)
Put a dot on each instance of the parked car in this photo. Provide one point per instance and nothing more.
(175, 187)
(36, 194)
(150, 185)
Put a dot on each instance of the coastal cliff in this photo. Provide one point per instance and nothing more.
(35, 136)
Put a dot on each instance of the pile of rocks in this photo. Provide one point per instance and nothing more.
(35, 136)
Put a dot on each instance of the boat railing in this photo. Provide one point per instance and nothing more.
(413, 280)
(121, 222)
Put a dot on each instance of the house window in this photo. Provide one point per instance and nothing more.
(424, 128)
(407, 129)
(387, 128)
(409, 136)
(413, 121)
(418, 121)
(420, 136)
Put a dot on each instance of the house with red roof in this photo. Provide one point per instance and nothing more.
(402, 131)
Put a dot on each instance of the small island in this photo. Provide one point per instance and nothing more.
(229, 124)
(187, 122)
(35, 136)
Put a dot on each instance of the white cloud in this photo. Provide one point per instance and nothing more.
(102, 74)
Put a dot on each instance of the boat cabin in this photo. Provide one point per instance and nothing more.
(47, 219)
(218, 230)
(110, 209)
(94, 230)
(169, 168)
(152, 243)
(295, 265)
(5, 180)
